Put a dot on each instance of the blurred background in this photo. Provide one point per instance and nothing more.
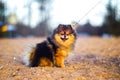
(36, 18)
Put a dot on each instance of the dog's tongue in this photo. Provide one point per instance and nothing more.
(64, 38)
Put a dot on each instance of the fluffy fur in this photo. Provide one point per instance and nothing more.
(54, 50)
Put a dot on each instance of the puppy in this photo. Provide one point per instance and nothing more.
(54, 50)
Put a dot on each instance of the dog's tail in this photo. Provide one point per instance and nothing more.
(29, 55)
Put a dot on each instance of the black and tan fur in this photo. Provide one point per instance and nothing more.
(54, 50)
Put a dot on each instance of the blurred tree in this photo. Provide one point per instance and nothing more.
(112, 22)
(42, 29)
(29, 3)
(2, 17)
(2, 11)
(23, 30)
(44, 8)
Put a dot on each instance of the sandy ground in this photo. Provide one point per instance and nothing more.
(94, 58)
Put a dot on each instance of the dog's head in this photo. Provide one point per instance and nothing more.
(64, 35)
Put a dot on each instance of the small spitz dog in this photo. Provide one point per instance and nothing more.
(54, 50)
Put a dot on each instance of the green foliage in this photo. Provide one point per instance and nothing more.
(111, 19)
(2, 11)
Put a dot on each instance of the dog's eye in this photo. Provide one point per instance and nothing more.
(61, 34)
(67, 34)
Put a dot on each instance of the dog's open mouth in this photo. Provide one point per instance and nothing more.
(64, 38)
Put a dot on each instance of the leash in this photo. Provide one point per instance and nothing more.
(88, 12)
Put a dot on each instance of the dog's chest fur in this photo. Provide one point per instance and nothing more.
(59, 50)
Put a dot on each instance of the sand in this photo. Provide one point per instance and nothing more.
(94, 58)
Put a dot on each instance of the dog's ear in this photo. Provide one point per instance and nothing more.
(60, 25)
(59, 28)
(69, 27)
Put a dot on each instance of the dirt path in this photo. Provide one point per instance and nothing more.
(94, 58)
